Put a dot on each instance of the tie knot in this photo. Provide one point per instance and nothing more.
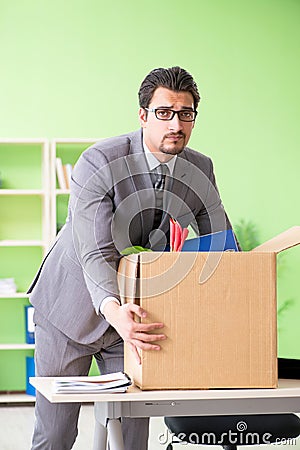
(162, 169)
(161, 172)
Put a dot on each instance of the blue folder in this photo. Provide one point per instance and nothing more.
(216, 242)
(29, 325)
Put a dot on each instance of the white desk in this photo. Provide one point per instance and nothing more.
(136, 403)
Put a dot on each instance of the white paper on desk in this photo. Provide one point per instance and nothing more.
(112, 382)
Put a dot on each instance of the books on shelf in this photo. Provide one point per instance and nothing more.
(68, 173)
(112, 382)
(7, 286)
(60, 174)
(63, 173)
(29, 324)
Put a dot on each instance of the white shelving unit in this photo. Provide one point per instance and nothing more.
(22, 243)
(16, 295)
(16, 183)
(51, 199)
(21, 192)
(16, 346)
(43, 193)
(62, 191)
(15, 397)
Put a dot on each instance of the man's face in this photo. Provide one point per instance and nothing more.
(167, 137)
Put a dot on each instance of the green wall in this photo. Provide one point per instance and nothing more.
(72, 69)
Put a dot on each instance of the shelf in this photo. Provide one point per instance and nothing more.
(16, 346)
(75, 141)
(15, 295)
(21, 243)
(16, 397)
(25, 211)
(21, 192)
(62, 191)
(22, 141)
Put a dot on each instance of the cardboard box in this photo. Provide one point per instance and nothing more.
(219, 311)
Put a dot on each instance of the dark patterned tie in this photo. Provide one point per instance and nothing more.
(159, 185)
(160, 175)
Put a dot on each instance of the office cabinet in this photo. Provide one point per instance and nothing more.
(24, 239)
(32, 209)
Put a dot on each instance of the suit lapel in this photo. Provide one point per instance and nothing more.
(142, 184)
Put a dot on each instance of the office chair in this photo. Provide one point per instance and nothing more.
(230, 432)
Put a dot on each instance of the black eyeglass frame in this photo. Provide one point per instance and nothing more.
(173, 113)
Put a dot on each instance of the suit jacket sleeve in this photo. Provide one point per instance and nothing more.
(92, 207)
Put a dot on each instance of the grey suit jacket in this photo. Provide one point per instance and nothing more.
(111, 207)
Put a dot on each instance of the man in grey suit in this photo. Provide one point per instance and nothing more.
(123, 192)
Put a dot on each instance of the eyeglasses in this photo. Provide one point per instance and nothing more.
(185, 115)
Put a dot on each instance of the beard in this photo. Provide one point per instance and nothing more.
(173, 148)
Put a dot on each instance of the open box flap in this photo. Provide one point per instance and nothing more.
(283, 241)
(127, 275)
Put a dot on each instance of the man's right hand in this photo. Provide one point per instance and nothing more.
(135, 334)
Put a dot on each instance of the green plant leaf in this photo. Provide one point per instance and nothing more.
(284, 306)
(135, 249)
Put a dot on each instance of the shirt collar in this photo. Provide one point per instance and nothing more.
(153, 162)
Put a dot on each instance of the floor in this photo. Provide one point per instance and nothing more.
(17, 423)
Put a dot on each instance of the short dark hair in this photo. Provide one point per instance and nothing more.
(173, 78)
